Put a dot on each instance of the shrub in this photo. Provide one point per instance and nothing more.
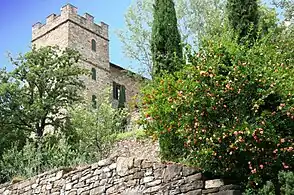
(229, 112)
(92, 128)
(87, 138)
(39, 156)
(285, 186)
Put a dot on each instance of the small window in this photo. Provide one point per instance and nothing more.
(116, 88)
(119, 92)
(94, 101)
(93, 43)
(93, 74)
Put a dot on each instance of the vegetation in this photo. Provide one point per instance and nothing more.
(165, 39)
(243, 17)
(229, 111)
(195, 18)
(45, 122)
(286, 183)
(44, 82)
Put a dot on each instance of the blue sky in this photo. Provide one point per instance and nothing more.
(18, 16)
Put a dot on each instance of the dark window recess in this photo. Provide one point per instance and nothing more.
(119, 92)
(93, 74)
(93, 43)
(94, 101)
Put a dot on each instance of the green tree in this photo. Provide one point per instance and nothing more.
(36, 93)
(165, 39)
(243, 17)
(287, 7)
(195, 18)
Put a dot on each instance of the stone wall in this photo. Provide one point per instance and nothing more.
(132, 83)
(126, 176)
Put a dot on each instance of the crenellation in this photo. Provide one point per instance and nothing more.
(68, 10)
(50, 18)
(104, 29)
(69, 14)
(37, 25)
(89, 17)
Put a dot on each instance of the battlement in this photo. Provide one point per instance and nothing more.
(69, 13)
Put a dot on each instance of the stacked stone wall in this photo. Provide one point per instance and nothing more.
(122, 175)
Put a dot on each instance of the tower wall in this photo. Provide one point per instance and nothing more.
(76, 32)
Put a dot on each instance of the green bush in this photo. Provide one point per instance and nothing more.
(88, 137)
(39, 156)
(285, 186)
(230, 111)
(91, 129)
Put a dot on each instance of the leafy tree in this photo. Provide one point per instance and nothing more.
(166, 39)
(195, 18)
(35, 94)
(243, 17)
(288, 8)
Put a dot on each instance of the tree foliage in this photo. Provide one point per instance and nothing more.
(195, 18)
(166, 39)
(230, 112)
(34, 95)
(287, 7)
(87, 138)
(243, 17)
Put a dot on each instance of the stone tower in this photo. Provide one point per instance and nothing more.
(80, 33)
(70, 30)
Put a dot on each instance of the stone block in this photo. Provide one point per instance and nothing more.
(209, 191)
(137, 163)
(192, 178)
(230, 187)
(146, 164)
(112, 166)
(188, 171)
(154, 183)
(148, 179)
(122, 166)
(191, 186)
(194, 192)
(171, 171)
(97, 190)
(228, 192)
(216, 183)
(104, 162)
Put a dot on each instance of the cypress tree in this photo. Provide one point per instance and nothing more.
(165, 39)
(243, 18)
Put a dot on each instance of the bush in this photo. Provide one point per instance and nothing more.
(286, 186)
(39, 156)
(88, 137)
(230, 111)
(92, 128)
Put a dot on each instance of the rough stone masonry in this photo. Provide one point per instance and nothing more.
(121, 175)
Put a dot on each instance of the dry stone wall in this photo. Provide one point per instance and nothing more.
(121, 175)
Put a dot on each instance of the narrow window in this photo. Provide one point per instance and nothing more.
(93, 43)
(94, 101)
(93, 74)
(115, 91)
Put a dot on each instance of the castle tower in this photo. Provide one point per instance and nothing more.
(80, 33)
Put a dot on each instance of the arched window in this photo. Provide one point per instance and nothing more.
(93, 43)
(94, 101)
(93, 74)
